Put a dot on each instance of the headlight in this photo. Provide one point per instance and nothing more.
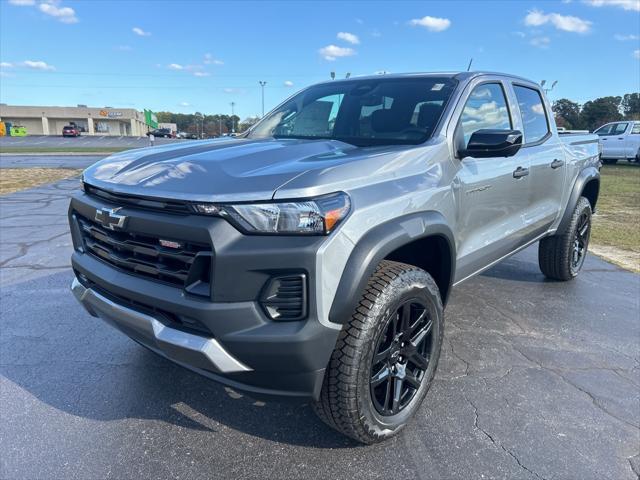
(318, 216)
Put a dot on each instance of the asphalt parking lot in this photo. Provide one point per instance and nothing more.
(538, 380)
(48, 161)
(87, 141)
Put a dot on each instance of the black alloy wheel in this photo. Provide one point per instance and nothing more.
(401, 358)
(581, 241)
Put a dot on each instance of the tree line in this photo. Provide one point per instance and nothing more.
(595, 113)
(202, 124)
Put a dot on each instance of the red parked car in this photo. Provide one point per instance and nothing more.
(70, 131)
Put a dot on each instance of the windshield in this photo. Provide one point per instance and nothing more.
(364, 112)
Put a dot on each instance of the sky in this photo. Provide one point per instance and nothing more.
(187, 56)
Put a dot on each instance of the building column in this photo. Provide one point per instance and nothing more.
(92, 130)
(134, 128)
(45, 126)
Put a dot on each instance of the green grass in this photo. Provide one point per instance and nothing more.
(15, 179)
(4, 149)
(618, 221)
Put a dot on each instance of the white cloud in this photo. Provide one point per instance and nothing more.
(359, 21)
(624, 4)
(567, 23)
(62, 14)
(22, 3)
(175, 66)
(6, 65)
(433, 24)
(624, 38)
(140, 32)
(184, 104)
(540, 42)
(201, 74)
(288, 83)
(348, 37)
(209, 60)
(332, 52)
(520, 34)
(124, 48)
(636, 54)
(38, 65)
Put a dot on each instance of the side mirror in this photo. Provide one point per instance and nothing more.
(488, 143)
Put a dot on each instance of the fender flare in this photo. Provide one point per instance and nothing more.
(584, 177)
(375, 246)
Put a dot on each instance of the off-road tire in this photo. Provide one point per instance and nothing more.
(555, 252)
(345, 402)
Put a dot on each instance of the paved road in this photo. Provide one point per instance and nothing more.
(48, 161)
(45, 141)
(538, 380)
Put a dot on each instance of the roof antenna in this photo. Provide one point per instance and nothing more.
(469, 66)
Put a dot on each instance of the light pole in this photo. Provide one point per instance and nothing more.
(262, 84)
(233, 121)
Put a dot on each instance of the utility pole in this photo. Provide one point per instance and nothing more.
(233, 120)
(262, 84)
(548, 90)
(219, 125)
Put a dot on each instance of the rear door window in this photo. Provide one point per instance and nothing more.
(534, 115)
(636, 129)
(619, 128)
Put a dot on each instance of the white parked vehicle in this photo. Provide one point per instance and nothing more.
(620, 140)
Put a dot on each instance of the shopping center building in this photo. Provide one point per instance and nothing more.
(91, 121)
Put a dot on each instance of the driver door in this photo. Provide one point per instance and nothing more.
(491, 192)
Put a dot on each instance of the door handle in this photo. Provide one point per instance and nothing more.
(520, 172)
(557, 163)
(620, 138)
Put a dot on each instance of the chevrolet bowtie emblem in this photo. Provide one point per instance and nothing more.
(108, 218)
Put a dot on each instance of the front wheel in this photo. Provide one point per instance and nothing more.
(562, 255)
(386, 355)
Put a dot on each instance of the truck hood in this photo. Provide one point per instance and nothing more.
(217, 170)
(234, 170)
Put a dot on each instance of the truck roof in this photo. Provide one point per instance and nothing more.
(458, 75)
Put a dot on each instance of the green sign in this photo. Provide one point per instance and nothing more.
(150, 118)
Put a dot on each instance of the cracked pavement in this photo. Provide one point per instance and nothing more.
(537, 380)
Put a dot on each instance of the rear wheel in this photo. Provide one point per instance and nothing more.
(562, 255)
(385, 357)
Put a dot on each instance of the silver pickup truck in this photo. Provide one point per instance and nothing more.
(313, 256)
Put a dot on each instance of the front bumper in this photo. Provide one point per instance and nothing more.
(235, 342)
(181, 347)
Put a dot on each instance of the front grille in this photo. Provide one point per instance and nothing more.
(165, 206)
(285, 297)
(142, 254)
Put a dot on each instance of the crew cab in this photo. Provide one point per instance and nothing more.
(620, 140)
(312, 256)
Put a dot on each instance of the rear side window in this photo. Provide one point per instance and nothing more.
(619, 128)
(486, 107)
(534, 116)
(636, 129)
